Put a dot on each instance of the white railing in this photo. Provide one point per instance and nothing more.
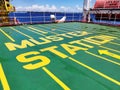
(44, 17)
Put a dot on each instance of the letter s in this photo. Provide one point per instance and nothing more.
(28, 57)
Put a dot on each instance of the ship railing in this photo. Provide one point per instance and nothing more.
(21, 18)
(27, 17)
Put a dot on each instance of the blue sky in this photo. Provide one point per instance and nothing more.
(48, 5)
(50, 2)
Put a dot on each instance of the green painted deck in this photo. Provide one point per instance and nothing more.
(65, 56)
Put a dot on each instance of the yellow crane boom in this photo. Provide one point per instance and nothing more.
(5, 9)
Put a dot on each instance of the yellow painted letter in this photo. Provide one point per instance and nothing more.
(29, 57)
(45, 41)
(3, 79)
(72, 49)
(53, 50)
(24, 44)
(55, 38)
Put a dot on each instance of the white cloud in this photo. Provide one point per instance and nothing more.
(51, 8)
(79, 8)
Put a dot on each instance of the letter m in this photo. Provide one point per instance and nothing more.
(24, 44)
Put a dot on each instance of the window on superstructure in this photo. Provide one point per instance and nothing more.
(8, 5)
(7, 0)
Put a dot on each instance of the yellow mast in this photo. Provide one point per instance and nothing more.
(5, 9)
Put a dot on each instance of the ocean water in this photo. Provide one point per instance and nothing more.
(44, 17)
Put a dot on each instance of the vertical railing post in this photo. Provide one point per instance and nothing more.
(30, 17)
(115, 18)
(44, 17)
(73, 16)
(100, 17)
(14, 17)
